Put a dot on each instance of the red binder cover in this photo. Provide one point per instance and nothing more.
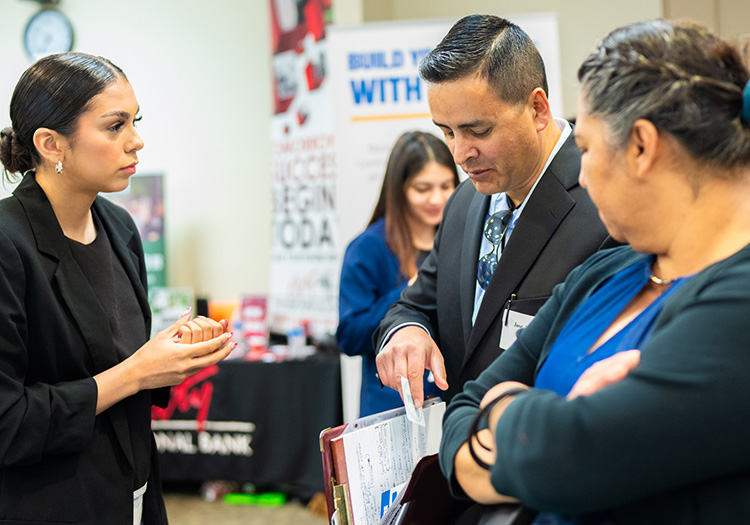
(329, 471)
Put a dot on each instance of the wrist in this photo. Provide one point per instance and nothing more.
(498, 408)
(491, 416)
(132, 382)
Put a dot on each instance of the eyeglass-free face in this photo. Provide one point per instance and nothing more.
(495, 143)
(494, 230)
(607, 175)
(102, 154)
(427, 192)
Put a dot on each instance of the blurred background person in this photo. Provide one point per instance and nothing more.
(625, 400)
(384, 259)
(78, 373)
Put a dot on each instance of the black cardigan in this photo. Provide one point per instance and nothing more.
(668, 444)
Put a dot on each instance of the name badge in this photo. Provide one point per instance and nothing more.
(513, 322)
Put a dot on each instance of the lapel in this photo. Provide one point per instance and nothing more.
(470, 249)
(546, 209)
(126, 243)
(76, 293)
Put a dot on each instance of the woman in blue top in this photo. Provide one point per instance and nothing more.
(383, 260)
(626, 399)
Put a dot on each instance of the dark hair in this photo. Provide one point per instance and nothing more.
(412, 151)
(498, 50)
(52, 93)
(681, 77)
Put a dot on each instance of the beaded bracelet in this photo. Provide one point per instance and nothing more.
(485, 413)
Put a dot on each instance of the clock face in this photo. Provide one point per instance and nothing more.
(48, 32)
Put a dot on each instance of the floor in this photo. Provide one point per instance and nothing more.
(186, 506)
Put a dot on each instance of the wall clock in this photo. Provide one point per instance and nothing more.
(49, 31)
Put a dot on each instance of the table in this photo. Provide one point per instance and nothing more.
(251, 422)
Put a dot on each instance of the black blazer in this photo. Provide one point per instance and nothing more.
(557, 230)
(60, 462)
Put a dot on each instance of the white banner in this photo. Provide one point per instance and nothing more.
(304, 253)
(379, 95)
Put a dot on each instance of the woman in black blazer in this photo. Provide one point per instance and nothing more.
(78, 374)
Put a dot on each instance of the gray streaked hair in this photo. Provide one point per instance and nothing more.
(681, 77)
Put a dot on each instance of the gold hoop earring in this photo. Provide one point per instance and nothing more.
(58, 167)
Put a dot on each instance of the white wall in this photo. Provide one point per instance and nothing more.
(581, 24)
(200, 71)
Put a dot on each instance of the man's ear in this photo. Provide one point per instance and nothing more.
(538, 105)
(50, 144)
(643, 147)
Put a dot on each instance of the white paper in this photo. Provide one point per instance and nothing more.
(513, 322)
(413, 413)
(383, 456)
(389, 503)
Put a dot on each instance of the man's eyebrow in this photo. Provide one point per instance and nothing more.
(466, 125)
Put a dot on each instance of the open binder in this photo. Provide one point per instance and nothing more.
(385, 466)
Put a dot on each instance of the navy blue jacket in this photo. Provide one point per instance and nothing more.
(371, 280)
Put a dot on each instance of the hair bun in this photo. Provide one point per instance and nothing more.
(13, 155)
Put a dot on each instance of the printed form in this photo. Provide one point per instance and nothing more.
(381, 457)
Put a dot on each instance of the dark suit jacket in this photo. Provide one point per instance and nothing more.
(58, 461)
(557, 230)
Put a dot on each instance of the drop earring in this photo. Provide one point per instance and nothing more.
(58, 167)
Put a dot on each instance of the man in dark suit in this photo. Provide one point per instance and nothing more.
(511, 232)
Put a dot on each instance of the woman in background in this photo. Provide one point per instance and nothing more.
(383, 260)
(625, 401)
(78, 373)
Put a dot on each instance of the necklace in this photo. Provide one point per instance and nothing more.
(656, 280)
(661, 282)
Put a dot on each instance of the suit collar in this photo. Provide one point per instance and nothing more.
(126, 245)
(567, 163)
(548, 205)
(471, 242)
(48, 234)
(74, 289)
(51, 241)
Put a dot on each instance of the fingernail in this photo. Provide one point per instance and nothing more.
(187, 312)
(234, 345)
(229, 335)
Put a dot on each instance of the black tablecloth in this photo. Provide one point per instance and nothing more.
(251, 422)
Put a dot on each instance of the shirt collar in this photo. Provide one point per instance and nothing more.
(499, 201)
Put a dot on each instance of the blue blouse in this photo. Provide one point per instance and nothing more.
(569, 355)
(371, 280)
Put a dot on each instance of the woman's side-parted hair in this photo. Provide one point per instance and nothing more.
(52, 93)
(412, 151)
(678, 75)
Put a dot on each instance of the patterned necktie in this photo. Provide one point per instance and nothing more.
(494, 230)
